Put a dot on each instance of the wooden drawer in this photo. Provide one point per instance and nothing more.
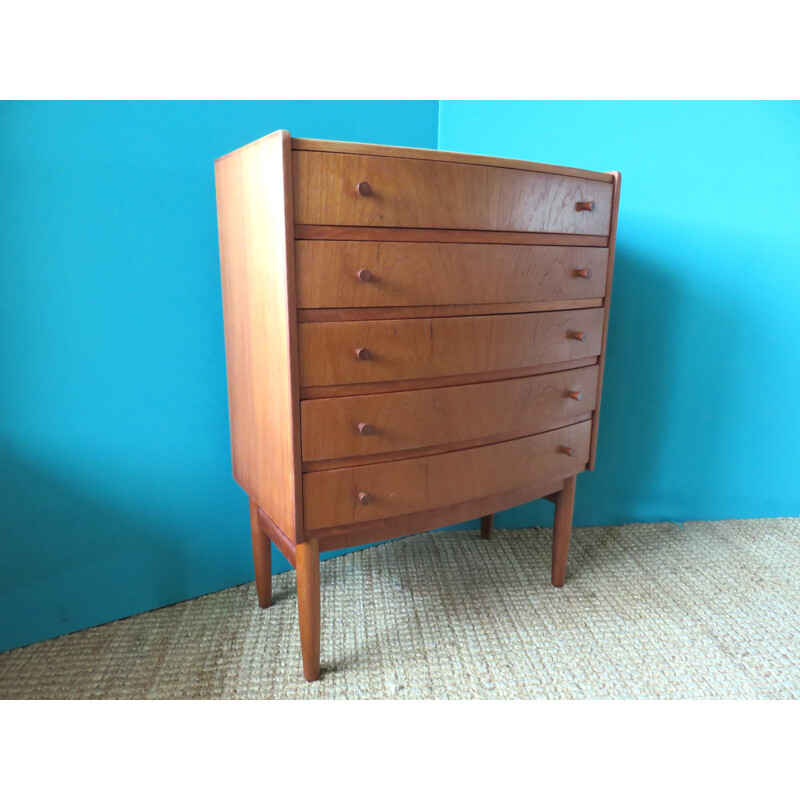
(416, 193)
(335, 353)
(371, 274)
(346, 427)
(334, 497)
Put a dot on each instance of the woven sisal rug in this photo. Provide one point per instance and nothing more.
(703, 610)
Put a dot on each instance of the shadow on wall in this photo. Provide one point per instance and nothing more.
(644, 470)
(93, 562)
(88, 559)
(70, 561)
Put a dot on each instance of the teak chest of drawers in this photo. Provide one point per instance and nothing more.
(414, 339)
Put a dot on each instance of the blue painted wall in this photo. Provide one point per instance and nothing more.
(116, 493)
(700, 404)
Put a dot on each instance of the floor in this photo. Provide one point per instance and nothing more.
(698, 610)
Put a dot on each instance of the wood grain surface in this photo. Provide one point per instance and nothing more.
(417, 484)
(331, 274)
(419, 312)
(562, 530)
(434, 194)
(359, 148)
(348, 390)
(344, 233)
(254, 190)
(378, 530)
(308, 606)
(429, 348)
(262, 558)
(403, 421)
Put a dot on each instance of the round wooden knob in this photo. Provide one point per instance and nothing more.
(364, 498)
(363, 353)
(365, 429)
(579, 335)
(585, 205)
(583, 273)
(574, 395)
(364, 275)
(567, 451)
(363, 189)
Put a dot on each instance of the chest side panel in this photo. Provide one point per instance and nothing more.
(257, 263)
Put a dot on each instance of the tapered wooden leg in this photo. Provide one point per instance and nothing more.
(486, 526)
(562, 528)
(262, 559)
(307, 555)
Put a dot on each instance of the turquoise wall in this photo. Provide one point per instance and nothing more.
(116, 493)
(700, 411)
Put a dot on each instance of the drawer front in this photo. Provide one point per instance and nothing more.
(367, 425)
(371, 274)
(414, 193)
(359, 494)
(336, 353)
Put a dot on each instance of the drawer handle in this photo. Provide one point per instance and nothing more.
(363, 354)
(365, 429)
(574, 395)
(585, 205)
(583, 273)
(364, 498)
(579, 335)
(364, 275)
(363, 189)
(567, 451)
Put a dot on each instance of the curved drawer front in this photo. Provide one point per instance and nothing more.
(336, 353)
(365, 274)
(346, 427)
(415, 193)
(359, 494)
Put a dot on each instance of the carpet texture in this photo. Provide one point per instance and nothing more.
(702, 610)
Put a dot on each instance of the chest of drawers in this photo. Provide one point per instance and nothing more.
(413, 338)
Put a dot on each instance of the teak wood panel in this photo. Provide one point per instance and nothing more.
(258, 294)
(409, 524)
(344, 233)
(330, 274)
(408, 193)
(333, 428)
(358, 148)
(348, 390)
(414, 312)
(435, 347)
(332, 498)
